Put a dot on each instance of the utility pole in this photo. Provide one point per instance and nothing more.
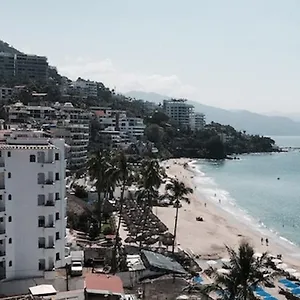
(67, 276)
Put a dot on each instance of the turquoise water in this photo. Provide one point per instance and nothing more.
(250, 188)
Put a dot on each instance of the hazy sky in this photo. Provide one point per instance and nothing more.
(238, 54)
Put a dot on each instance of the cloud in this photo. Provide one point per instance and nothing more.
(124, 81)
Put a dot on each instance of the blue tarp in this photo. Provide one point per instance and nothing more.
(289, 284)
(296, 291)
(198, 279)
(270, 298)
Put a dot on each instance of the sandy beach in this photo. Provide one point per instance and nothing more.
(207, 239)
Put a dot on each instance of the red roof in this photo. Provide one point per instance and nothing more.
(99, 113)
(103, 284)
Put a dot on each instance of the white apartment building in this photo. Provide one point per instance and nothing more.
(77, 122)
(199, 121)
(32, 204)
(179, 112)
(132, 126)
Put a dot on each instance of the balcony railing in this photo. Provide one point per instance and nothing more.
(2, 208)
(49, 182)
(2, 187)
(2, 231)
(42, 245)
(2, 253)
(50, 203)
(50, 246)
(2, 164)
(49, 225)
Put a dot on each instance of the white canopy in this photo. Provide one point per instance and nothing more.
(42, 290)
(290, 270)
(282, 266)
(223, 271)
(183, 297)
(225, 260)
(257, 255)
(297, 275)
(211, 262)
(276, 261)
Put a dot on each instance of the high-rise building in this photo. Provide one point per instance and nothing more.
(7, 65)
(180, 112)
(32, 67)
(32, 204)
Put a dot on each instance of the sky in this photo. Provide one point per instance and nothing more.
(234, 54)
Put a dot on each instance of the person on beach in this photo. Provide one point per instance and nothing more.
(205, 204)
(262, 241)
(267, 242)
(220, 201)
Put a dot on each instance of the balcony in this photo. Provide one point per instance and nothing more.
(2, 208)
(2, 231)
(49, 182)
(42, 245)
(50, 203)
(50, 246)
(49, 225)
(2, 253)
(2, 187)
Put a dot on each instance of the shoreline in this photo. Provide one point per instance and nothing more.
(220, 227)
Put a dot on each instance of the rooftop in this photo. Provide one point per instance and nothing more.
(104, 284)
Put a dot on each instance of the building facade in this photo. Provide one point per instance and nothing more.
(32, 204)
(7, 66)
(6, 94)
(180, 112)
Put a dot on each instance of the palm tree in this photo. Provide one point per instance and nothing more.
(151, 177)
(177, 193)
(245, 273)
(120, 172)
(97, 167)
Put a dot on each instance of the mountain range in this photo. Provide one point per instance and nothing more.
(253, 123)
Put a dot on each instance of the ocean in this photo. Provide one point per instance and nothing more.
(262, 190)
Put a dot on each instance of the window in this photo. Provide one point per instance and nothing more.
(57, 256)
(9, 219)
(9, 197)
(56, 176)
(32, 158)
(56, 196)
(10, 263)
(0, 197)
(1, 220)
(10, 240)
(57, 235)
(57, 216)
(41, 221)
(9, 154)
(41, 178)
(56, 156)
(9, 175)
(42, 264)
(41, 200)
(42, 242)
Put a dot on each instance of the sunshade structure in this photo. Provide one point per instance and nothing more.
(257, 255)
(225, 260)
(297, 275)
(282, 266)
(276, 261)
(223, 271)
(288, 284)
(296, 291)
(211, 262)
(261, 292)
(290, 270)
(161, 263)
(183, 297)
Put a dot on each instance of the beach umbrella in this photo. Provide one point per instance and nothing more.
(129, 240)
(211, 262)
(223, 271)
(290, 270)
(282, 266)
(257, 255)
(168, 235)
(183, 297)
(297, 275)
(225, 260)
(276, 261)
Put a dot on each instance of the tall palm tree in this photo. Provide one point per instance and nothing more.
(121, 173)
(97, 167)
(245, 273)
(177, 193)
(150, 179)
